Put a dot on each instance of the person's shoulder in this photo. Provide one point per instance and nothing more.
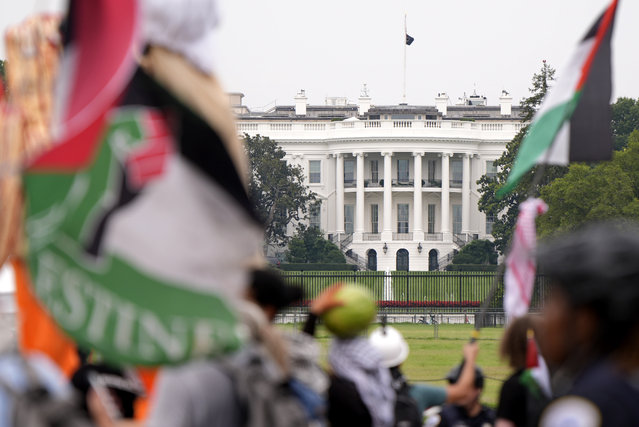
(571, 410)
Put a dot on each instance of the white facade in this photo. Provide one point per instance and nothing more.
(397, 179)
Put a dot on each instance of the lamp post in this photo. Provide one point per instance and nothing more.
(419, 247)
(385, 248)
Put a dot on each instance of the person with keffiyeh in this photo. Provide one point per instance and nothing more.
(360, 392)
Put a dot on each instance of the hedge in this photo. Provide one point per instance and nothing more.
(316, 267)
(471, 267)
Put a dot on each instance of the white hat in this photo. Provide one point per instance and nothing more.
(390, 344)
(183, 26)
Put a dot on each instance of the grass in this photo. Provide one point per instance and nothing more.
(431, 358)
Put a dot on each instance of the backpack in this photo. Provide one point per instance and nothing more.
(35, 406)
(267, 399)
(406, 408)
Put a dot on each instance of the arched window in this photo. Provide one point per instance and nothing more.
(372, 260)
(402, 260)
(433, 262)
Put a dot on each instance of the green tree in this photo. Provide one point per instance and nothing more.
(625, 119)
(276, 188)
(586, 193)
(3, 73)
(310, 246)
(477, 252)
(505, 210)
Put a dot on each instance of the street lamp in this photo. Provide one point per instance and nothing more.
(385, 248)
(419, 247)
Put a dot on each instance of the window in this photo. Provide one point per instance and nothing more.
(491, 169)
(315, 216)
(374, 218)
(372, 260)
(432, 165)
(402, 218)
(374, 171)
(490, 220)
(433, 263)
(431, 219)
(402, 170)
(348, 219)
(349, 171)
(401, 263)
(314, 171)
(456, 172)
(457, 219)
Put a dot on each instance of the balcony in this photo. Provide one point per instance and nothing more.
(403, 236)
(371, 237)
(432, 183)
(434, 237)
(455, 183)
(373, 183)
(350, 183)
(403, 183)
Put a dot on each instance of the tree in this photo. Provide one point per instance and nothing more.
(276, 188)
(310, 246)
(477, 252)
(586, 193)
(625, 119)
(505, 210)
(3, 73)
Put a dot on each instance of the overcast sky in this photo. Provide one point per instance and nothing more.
(271, 49)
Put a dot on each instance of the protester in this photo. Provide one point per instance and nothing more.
(394, 349)
(521, 399)
(590, 328)
(468, 413)
(360, 393)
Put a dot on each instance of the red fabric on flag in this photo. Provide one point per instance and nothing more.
(520, 263)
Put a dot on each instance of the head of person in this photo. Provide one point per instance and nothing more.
(592, 310)
(269, 291)
(514, 342)
(391, 345)
(478, 384)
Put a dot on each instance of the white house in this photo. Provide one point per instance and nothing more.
(398, 183)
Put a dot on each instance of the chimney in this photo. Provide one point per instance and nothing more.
(364, 101)
(300, 103)
(505, 103)
(441, 102)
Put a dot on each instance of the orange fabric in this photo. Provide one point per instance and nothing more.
(142, 405)
(37, 331)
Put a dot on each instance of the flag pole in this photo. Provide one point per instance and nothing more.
(405, 33)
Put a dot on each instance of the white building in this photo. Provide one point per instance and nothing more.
(398, 184)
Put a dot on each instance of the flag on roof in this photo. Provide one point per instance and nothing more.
(409, 40)
(573, 122)
(140, 232)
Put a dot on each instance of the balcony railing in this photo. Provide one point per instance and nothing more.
(350, 183)
(371, 237)
(434, 237)
(403, 183)
(433, 183)
(373, 183)
(455, 183)
(318, 129)
(403, 236)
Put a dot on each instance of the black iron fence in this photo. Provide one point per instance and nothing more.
(418, 292)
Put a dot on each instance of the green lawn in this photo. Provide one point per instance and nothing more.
(430, 358)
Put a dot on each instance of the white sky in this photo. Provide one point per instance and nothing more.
(270, 49)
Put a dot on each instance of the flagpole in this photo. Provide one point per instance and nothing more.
(405, 34)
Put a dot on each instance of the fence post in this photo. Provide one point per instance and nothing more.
(460, 289)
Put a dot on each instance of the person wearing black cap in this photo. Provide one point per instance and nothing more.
(470, 413)
(590, 328)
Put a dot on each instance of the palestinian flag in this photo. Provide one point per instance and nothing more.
(139, 227)
(573, 122)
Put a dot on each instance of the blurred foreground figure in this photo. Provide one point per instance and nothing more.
(524, 394)
(413, 399)
(590, 332)
(464, 413)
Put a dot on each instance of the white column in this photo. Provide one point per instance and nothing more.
(445, 219)
(359, 199)
(387, 230)
(418, 230)
(339, 193)
(466, 194)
